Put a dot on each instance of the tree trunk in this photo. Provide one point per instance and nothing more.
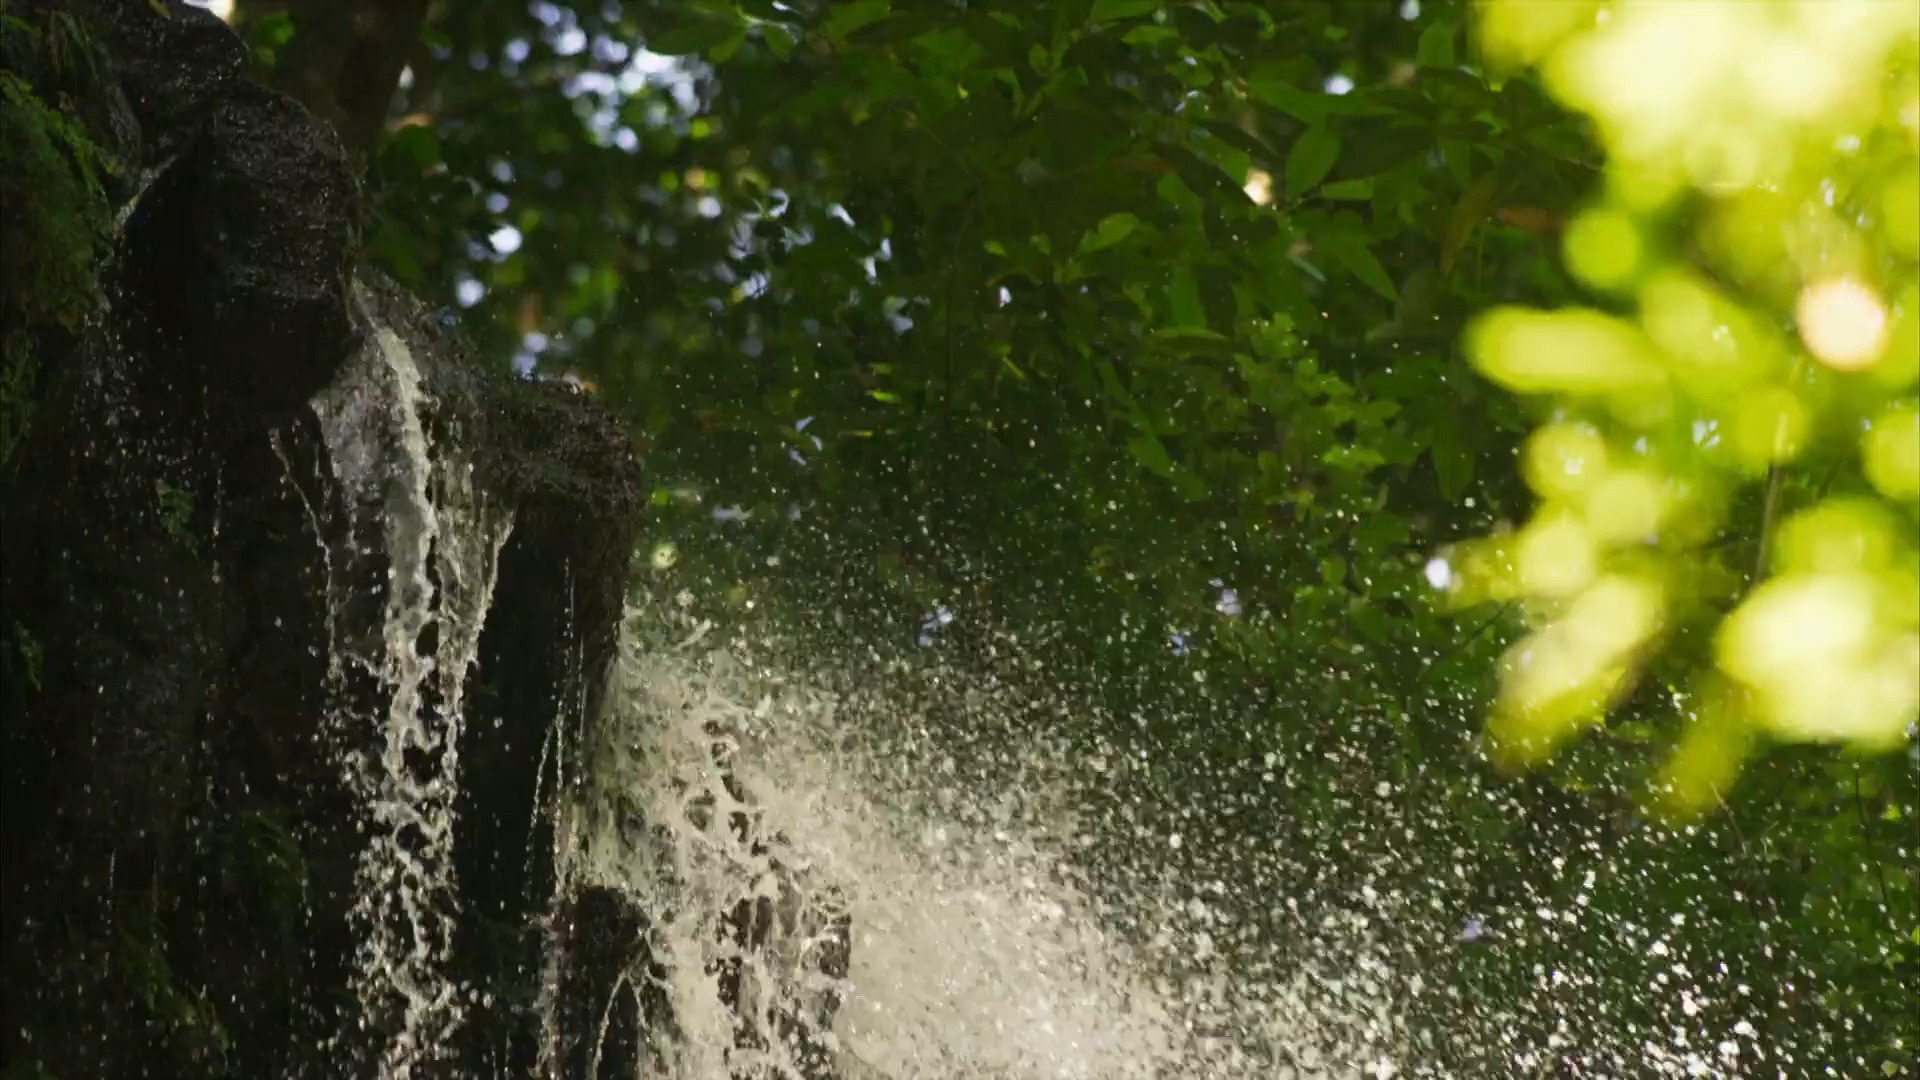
(344, 59)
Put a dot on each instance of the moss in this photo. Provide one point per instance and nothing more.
(54, 213)
(186, 1028)
(255, 854)
(55, 225)
(176, 511)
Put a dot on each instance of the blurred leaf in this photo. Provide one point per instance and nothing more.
(1452, 460)
(1348, 190)
(1193, 339)
(1201, 176)
(698, 36)
(1112, 229)
(779, 39)
(416, 144)
(1436, 45)
(1310, 159)
(848, 18)
(1350, 249)
(1188, 310)
(1148, 451)
(1114, 10)
(1468, 213)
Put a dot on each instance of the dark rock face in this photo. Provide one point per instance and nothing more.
(172, 61)
(606, 932)
(243, 250)
(181, 568)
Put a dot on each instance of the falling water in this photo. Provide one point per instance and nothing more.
(441, 541)
(815, 905)
(976, 950)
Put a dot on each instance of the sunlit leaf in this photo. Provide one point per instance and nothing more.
(1574, 351)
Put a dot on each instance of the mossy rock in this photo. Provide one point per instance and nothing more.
(55, 214)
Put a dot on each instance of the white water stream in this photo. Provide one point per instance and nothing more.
(442, 542)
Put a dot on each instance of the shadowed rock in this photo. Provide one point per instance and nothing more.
(181, 570)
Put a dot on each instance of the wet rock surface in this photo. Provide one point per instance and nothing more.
(241, 252)
(182, 570)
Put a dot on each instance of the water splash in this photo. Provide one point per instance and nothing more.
(767, 839)
(815, 902)
(441, 541)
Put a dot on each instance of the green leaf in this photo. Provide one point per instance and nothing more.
(1349, 190)
(898, 28)
(1149, 451)
(417, 144)
(1110, 380)
(1148, 34)
(1452, 460)
(1112, 229)
(1193, 339)
(724, 51)
(849, 18)
(1356, 459)
(1201, 175)
(395, 250)
(950, 49)
(1115, 10)
(1467, 215)
(695, 37)
(1419, 291)
(1349, 248)
(778, 38)
(1311, 158)
(1436, 46)
(1374, 625)
(1279, 85)
(1184, 296)
(1239, 139)
(272, 31)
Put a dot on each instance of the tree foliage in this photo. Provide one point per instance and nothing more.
(1756, 327)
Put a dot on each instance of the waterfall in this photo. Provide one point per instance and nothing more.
(806, 903)
(819, 907)
(441, 542)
